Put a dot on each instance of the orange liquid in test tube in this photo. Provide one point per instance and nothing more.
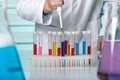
(68, 50)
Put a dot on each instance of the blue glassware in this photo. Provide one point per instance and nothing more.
(10, 66)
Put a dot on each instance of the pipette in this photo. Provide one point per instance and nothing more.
(59, 10)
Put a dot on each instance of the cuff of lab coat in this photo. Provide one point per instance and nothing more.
(100, 37)
(47, 18)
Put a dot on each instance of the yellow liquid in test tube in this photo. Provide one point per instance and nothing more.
(54, 48)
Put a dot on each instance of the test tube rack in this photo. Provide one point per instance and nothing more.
(61, 62)
(63, 68)
(78, 64)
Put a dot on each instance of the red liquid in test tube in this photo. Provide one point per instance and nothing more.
(34, 49)
(73, 52)
(72, 44)
(59, 39)
(89, 49)
(50, 51)
(35, 43)
(59, 51)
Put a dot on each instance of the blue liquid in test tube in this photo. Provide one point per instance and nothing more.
(63, 48)
(77, 48)
(84, 47)
(77, 43)
(84, 42)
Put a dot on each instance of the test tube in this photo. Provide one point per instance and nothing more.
(50, 43)
(54, 43)
(40, 43)
(77, 43)
(34, 43)
(72, 44)
(63, 45)
(59, 39)
(84, 42)
(66, 41)
(88, 42)
(89, 46)
(68, 44)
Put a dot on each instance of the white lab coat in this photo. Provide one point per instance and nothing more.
(77, 15)
(110, 10)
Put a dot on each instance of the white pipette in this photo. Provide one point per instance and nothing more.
(59, 9)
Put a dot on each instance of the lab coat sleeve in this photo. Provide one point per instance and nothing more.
(105, 19)
(32, 10)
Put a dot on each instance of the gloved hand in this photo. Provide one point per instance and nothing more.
(50, 5)
(99, 44)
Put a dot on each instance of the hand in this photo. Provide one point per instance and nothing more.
(52, 5)
(99, 44)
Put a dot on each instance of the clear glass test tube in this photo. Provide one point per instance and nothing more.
(73, 44)
(54, 44)
(66, 41)
(84, 42)
(89, 46)
(34, 43)
(68, 44)
(88, 42)
(62, 46)
(49, 43)
(77, 43)
(40, 43)
(59, 40)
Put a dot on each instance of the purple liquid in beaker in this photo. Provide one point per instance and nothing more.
(109, 62)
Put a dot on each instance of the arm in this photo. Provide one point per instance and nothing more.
(33, 10)
(105, 24)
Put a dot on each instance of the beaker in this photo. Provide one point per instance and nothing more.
(10, 66)
(109, 66)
